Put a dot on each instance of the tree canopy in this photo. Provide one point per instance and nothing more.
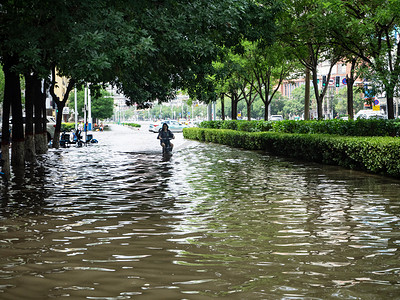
(102, 105)
(211, 49)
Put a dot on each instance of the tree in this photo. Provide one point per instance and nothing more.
(102, 104)
(60, 102)
(148, 49)
(368, 30)
(184, 38)
(1, 86)
(230, 79)
(304, 29)
(257, 26)
(295, 105)
(270, 66)
(246, 79)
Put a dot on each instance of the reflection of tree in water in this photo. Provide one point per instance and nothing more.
(255, 208)
(25, 194)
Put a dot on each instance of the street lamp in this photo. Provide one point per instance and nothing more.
(76, 109)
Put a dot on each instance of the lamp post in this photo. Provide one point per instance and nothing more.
(85, 113)
(76, 109)
(89, 111)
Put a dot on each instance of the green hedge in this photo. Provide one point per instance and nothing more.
(132, 125)
(242, 125)
(373, 154)
(361, 127)
(67, 126)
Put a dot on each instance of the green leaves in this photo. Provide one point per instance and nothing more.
(360, 127)
(373, 154)
(102, 106)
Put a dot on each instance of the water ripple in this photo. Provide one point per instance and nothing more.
(118, 221)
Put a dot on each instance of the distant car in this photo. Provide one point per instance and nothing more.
(155, 126)
(377, 116)
(191, 124)
(369, 114)
(50, 126)
(276, 118)
(173, 125)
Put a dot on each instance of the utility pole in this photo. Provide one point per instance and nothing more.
(76, 109)
(214, 110)
(89, 110)
(84, 114)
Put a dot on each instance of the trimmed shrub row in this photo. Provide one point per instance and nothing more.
(71, 126)
(360, 127)
(67, 126)
(373, 154)
(241, 125)
(132, 125)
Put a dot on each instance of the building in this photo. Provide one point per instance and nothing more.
(60, 89)
(337, 81)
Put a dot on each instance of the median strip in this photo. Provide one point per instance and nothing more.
(379, 155)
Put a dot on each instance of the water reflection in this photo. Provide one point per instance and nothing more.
(119, 221)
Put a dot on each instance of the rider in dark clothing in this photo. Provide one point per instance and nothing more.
(164, 135)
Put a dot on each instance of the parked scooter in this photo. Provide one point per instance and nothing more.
(78, 139)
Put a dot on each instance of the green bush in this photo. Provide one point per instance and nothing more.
(132, 125)
(373, 154)
(67, 126)
(361, 127)
(211, 124)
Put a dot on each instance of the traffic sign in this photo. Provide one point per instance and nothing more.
(376, 102)
(344, 81)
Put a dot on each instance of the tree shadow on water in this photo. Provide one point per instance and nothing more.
(25, 193)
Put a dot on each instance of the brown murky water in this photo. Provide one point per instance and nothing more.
(116, 220)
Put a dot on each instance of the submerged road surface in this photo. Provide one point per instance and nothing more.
(116, 220)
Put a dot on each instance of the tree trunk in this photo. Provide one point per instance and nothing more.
(5, 139)
(18, 143)
(350, 98)
(56, 139)
(43, 96)
(319, 109)
(389, 102)
(248, 111)
(266, 104)
(30, 152)
(60, 105)
(234, 107)
(307, 96)
(222, 107)
(350, 85)
(40, 117)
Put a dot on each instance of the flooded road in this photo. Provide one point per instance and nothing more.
(116, 220)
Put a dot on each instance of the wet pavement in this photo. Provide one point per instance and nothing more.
(117, 220)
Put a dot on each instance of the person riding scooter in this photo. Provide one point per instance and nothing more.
(165, 135)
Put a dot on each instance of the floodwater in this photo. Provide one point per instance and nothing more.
(116, 220)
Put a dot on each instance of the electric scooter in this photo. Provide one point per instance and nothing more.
(168, 148)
